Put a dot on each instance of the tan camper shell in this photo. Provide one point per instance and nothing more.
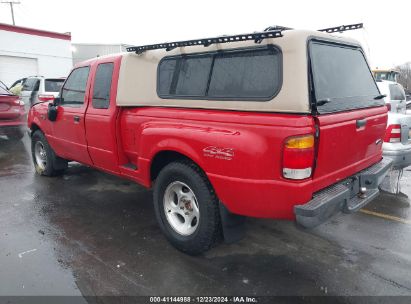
(139, 74)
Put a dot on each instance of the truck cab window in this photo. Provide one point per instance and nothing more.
(75, 87)
(102, 86)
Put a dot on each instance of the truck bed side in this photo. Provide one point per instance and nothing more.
(240, 152)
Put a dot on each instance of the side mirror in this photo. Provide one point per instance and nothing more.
(57, 101)
(52, 112)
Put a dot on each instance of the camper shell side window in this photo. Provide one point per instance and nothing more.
(250, 74)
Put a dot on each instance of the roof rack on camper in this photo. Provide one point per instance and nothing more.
(207, 41)
(258, 37)
(342, 28)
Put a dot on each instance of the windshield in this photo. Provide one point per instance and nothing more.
(53, 85)
(342, 79)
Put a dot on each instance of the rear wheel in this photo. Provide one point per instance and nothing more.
(16, 134)
(46, 162)
(187, 208)
(181, 208)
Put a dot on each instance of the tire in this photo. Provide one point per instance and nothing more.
(45, 161)
(17, 134)
(203, 226)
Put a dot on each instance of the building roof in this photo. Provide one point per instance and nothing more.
(35, 32)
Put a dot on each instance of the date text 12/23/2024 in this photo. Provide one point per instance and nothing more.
(205, 299)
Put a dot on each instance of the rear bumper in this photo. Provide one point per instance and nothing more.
(399, 153)
(344, 196)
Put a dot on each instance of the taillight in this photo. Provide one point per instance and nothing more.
(388, 105)
(19, 102)
(44, 97)
(298, 156)
(393, 134)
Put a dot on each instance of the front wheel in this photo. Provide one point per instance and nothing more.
(187, 208)
(46, 162)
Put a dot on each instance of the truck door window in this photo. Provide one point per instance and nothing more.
(74, 89)
(102, 86)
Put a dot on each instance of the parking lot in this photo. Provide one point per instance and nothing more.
(87, 233)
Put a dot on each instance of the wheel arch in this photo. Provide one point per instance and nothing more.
(34, 127)
(233, 226)
(164, 157)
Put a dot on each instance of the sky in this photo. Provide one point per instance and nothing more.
(386, 37)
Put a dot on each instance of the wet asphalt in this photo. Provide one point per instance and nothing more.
(87, 233)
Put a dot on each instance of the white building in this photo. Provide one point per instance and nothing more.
(85, 51)
(29, 52)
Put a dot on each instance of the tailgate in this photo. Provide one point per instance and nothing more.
(348, 142)
(350, 112)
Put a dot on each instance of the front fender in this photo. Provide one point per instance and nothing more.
(37, 118)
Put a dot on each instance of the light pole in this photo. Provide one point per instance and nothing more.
(11, 8)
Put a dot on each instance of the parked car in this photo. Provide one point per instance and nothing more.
(12, 114)
(225, 127)
(37, 89)
(394, 96)
(397, 140)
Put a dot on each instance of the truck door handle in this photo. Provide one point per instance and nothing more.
(76, 119)
(361, 123)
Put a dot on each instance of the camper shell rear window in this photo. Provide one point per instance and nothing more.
(341, 78)
(241, 74)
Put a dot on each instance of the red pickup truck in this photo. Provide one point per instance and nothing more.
(283, 124)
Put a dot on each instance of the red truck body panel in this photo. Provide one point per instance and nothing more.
(240, 152)
(344, 149)
(248, 181)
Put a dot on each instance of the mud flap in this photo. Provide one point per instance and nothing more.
(59, 163)
(233, 225)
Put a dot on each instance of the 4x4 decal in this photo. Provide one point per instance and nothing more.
(220, 153)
